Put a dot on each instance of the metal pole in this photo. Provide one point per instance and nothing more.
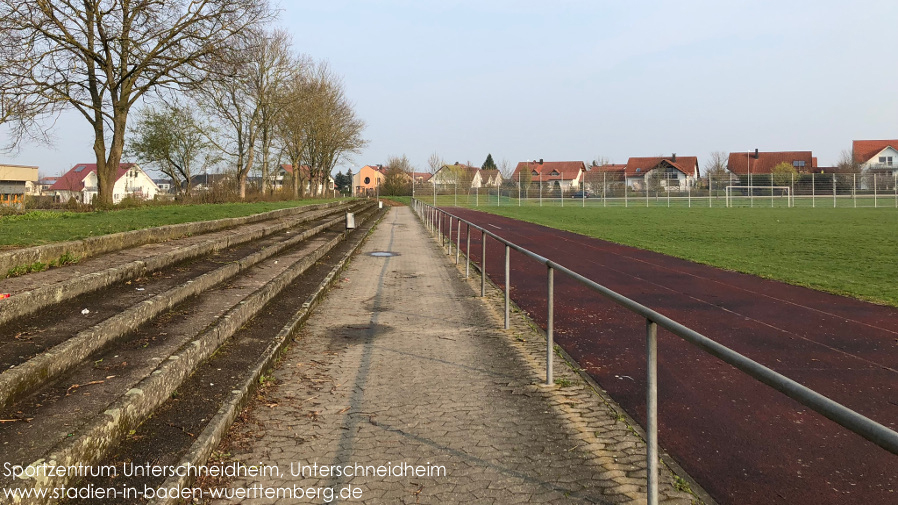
(550, 326)
(895, 187)
(507, 285)
(604, 199)
(458, 243)
(834, 191)
(626, 202)
(483, 263)
(854, 189)
(651, 428)
(468, 255)
(440, 227)
(813, 191)
(449, 239)
(875, 192)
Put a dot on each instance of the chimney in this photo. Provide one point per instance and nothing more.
(756, 153)
(540, 161)
(673, 158)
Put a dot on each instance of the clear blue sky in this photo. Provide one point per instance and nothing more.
(573, 80)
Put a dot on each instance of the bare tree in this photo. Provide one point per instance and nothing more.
(434, 162)
(506, 170)
(716, 168)
(102, 56)
(848, 164)
(334, 132)
(273, 68)
(174, 139)
(292, 129)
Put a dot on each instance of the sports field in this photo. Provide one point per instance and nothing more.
(852, 252)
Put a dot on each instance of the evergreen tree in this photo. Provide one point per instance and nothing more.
(489, 164)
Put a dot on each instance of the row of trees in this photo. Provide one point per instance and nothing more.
(217, 86)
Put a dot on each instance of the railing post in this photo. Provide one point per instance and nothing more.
(550, 325)
(651, 428)
(449, 239)
(440, 227)
(507, 284)
(468, 254)
(458, 243)
(483, 263)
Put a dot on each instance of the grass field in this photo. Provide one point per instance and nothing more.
(852, 252)
(42, 227)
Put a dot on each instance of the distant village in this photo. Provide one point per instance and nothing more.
(670, 173)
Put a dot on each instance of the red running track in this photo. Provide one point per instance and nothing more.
(741, 440)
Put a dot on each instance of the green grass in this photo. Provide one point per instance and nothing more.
(851, 252)
(43, 227)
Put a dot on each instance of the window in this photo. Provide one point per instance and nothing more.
(535, 173)
(555, 172)
(798, 163)
(885, 160)
(367, 180)
(79, 168)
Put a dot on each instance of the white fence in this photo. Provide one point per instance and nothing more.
(605, 190)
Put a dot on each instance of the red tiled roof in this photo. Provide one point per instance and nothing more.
(608, 168)
(73, 180)
(864, 150)
(564, 170)
(424, 176)
(637, 167)
(739, 163)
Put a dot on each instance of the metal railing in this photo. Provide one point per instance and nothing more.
(880, 435)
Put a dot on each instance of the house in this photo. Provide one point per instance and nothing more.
(744, 163)
(876, 156)
(367, 179)
(16, 181)
(490, 178)
(457, 174)
(421, 177)
(209, 182)
(564, 174)
(674, 173)
(598, 177)
(44, 184)
(318, 187)
(80, 183)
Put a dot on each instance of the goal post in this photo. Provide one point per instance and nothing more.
(786, 190)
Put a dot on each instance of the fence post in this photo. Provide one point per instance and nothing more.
(813, 190)
(483, 262)
(854, 189)
(875, 193)
(550, 326)
(651, 428)
(468, 254)
(440, 227)
(834, 191)
(507, 284)
(604, 198)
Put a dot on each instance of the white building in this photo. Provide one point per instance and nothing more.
(80, 183)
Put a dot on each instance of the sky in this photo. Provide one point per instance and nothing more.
(574, 80)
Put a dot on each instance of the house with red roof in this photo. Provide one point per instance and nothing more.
(876, 156)
(565, 174)
(674, 173)
(80, 183)
(762, 163)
